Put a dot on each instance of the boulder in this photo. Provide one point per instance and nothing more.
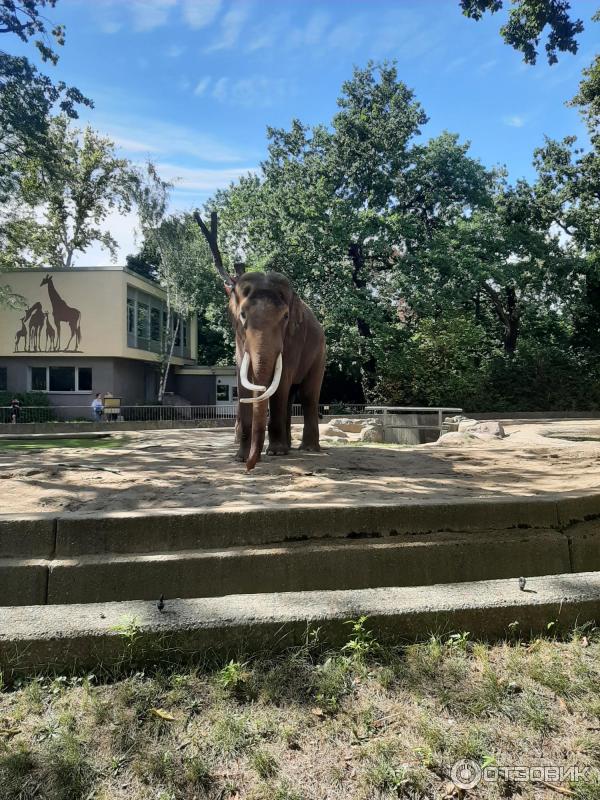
(332, 431)
(488, 428)
(348, 425)
(372, 433)
(465, 424)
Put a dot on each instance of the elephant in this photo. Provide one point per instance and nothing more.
(279, 344)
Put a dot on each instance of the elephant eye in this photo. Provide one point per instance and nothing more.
(286, 315)
(243, 316)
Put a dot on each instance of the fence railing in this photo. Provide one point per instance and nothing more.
(153, 413)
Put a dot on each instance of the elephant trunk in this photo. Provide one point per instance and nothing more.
(263, 369)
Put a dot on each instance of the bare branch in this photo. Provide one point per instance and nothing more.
(211, 238)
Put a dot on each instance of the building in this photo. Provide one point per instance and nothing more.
(89, 330)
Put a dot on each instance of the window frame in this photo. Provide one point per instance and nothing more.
(47, 390)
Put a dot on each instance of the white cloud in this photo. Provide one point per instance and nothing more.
(488, 65)
(202, 86)
(220, 90)
(315, 27)
(200, 13)
(514, 121)
(348, 35)
(205, 181)
(253, 92)
(137, 135)
(150, 14)
(174, 51)
(231, 27)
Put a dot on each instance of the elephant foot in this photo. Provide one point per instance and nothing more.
(277, 449)
(242, 454)
(310, 447)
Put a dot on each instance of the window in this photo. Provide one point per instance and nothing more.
(143, 320)
(222, 393)
(62, 379)
(185, 338)
(234, 393)
(3, 379)
(39, 379)
(177, 330)
(84, 382)
(130, 316)
(155, 324)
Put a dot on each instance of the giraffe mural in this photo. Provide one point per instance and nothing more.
(21, 334)
(35, 315)
(50, 333)
(61, 312)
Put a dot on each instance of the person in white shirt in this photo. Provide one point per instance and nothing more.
(97, 407)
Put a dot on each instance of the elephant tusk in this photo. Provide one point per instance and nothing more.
(272, 388)
(244, 376)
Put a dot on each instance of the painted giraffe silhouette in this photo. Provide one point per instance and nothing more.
(21, 334)
(61, 312)
(35, 315)
(50, 333)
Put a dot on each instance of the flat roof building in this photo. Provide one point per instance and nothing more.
(89, 330)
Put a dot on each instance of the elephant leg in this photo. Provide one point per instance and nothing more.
(289, 420)
(310, 389)
(278, 436)
(243, 432)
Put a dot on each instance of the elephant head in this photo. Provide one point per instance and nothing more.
(263, 307)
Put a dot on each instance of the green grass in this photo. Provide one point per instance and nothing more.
(104, 442)
(365, 721)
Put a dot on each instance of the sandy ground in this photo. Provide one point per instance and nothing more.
(195, 468)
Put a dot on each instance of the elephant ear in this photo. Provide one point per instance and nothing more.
(296, 321)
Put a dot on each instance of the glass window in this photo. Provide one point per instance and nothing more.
(62, 379)
(3, 379)
(223, 392)
(185, 333)
(234, 393)
(155, 324)
(130, 316)
(177, 328)
(38, 379)
(85, 379)
(143, 320)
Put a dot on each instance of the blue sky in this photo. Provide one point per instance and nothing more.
(192, 84)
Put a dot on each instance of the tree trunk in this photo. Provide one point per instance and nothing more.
(167, 357)
(509, 315)
(368, 366)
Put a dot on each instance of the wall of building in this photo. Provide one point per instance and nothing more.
(198, 389)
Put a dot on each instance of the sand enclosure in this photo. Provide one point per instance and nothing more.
(195, 468)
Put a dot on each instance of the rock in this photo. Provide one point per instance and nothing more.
(456, 439)
(347, 425)
(465, 424)
(372, 433)
(332, 430)
(489, 428)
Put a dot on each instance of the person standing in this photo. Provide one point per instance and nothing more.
(15, 410)
(97, 407)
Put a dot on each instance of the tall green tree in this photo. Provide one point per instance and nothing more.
(527, 21)
(65, 201)
(27, 96)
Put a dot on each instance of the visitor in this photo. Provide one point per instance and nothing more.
(97, 407)
(15, 410)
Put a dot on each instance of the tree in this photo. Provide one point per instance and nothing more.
(527, 20)
(180, 252)
(27, 96)
(67, 199)
(342, 209)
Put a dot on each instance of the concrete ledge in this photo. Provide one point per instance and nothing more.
(59, 637)
(306, 566)
(27, 536)
(23, 582)
(75, 428)
(187, 529)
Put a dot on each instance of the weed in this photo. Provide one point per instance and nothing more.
(264, 763)
(362, 643)
(331, 681)
(233, 677)
(16, 768)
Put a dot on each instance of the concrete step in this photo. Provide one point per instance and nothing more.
(62, 637)
(415, 560)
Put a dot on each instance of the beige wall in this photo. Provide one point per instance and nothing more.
(94, 303)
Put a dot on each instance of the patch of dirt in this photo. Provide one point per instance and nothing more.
(196, 468)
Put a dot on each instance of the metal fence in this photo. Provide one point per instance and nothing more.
(156, 413)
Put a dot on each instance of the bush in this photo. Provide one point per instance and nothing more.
(30, 403)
